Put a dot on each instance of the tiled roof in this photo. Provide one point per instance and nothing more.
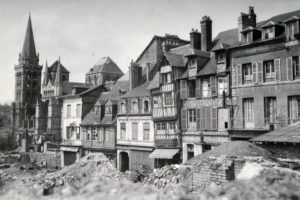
(67, 86)
(53, 67)
(209, 68)
(140, 91)
(105, 65)
(288, 134)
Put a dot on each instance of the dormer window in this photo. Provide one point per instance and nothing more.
(97, 110)
(146, 106)
(134, 106)
(291, 27)
(122, 107)
(108, 109)
(268, 33)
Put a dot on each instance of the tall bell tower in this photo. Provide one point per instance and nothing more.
(27, 80)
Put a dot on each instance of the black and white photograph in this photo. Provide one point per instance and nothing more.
(150, 100)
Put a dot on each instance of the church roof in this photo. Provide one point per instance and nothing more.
(28, 50)
(105, 65)
(53, 67)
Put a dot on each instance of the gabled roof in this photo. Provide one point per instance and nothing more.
(155, 82)
(294, 18)
(268, 24)
(220, 46)
(53, 67)
(209, 69)
(282, 17)
(67, 86)
(176, 60)
(29, 47)
(105, 65)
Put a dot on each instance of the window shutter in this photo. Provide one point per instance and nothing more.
(198, 117)
(213, 86)
(289, 64)
(233, 75)
(183, 119)
(183, 89)
(128, 106)
(254, 72)
(202, 118)
(239, 74)
(259, 72)
(208, 118)
(198, 88)
(160, 78)
(277, 69)
(214, 119)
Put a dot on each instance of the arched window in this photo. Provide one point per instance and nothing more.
(134, 106)
(123, 107)
(146, 106)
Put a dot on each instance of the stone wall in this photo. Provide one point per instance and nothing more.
(52, 159)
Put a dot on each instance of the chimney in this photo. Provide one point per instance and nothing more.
(135, 75)
(195, 38)
(245, 20)
(206, 33)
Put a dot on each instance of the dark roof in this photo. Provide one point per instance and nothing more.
(288, 134)
(67, 86)
(115, 93)
(53, 67)
(91, 118)
(105, 65)
(278, 19)
(155, 82)
(176, 60)
(29, 47)
(140, 91)
(209, 68)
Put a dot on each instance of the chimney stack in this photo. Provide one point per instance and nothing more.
(245, 20)
(135, 75)
(195, 38)
(206, 33)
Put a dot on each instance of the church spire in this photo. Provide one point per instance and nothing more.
(58, 78)
(29, 46)
(46, 75)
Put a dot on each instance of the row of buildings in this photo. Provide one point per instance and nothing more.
(178, 99)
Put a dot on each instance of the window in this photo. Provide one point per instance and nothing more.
(94, 134)
(247, 73)
(88, 135)
(78, 110)
(166, 78)
(291, 29)
(123, 131)
(146, 106)
(192, 118)
(68, 110)
(100, 133)
(123, 107)
(161, 128)
(107, 134)
(192, 88)
(172, 127)
(294, 109)
(296, 68)
(222, 85)
(97, 110)
(78, 133)
(146, 131)
(206, 87)
(270, 109)
(247, 38)
(248, 113)
(135, 131)
(168, 99)
(68, 133)
(269, 71)
(268, 33)
(108, 109)
(156, 101)
(134, 107)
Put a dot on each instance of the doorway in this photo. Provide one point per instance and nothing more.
(124, 161)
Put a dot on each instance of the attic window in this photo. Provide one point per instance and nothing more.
(91, 69)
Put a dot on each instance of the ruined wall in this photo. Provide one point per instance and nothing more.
(52, 159)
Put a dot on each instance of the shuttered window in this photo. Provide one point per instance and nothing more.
(198, 88)
(146, 131)
(208, 118)
(183, 119)
(135, 131)
(183, 89)
(214, 119)
(198, 116)
(277, 69)
(254, 72)
(239, 74)
(233, 75)
(213, 84)
(259, 72)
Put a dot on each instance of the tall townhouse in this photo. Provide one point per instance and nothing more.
(265, 74)
(135, 134)
(99, 126)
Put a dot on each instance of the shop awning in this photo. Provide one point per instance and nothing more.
(72, 149)
(164, 153)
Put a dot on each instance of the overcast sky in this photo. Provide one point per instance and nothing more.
(81, 32)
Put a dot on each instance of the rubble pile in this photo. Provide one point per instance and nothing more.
(92, 166)
(167, 176)
(5, 178)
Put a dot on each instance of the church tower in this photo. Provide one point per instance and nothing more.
(27, 80)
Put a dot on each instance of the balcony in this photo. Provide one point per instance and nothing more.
(165, 112)
(168, 141)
